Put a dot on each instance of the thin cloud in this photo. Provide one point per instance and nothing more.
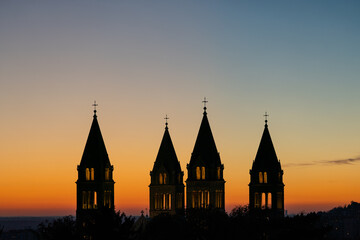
(348, 161)
(298, 164)
(342, 161)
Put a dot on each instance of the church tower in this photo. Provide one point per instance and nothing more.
(205, 182)
(166, 186)
(95, 184)
(266, 180)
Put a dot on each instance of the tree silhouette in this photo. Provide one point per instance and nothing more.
(61, 228)
(259, 226)
(106, 225)
(208, 223)
(165, 226)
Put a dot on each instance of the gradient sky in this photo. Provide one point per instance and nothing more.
(140, 60)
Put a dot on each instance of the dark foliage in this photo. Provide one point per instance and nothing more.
(61, 228)
(344, 222)
(167, 227)
(198, 224)
(261, 227)
(208, 224)
(106, 225)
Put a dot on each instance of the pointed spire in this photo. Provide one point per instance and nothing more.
(205, 147)
(95, 153)
(266, 158)
(166, 156)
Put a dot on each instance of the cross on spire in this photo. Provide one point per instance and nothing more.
(205, 101)
(166, 122)
(266, 115)
(95, 105)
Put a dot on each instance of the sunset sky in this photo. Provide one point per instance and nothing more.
(141, 60)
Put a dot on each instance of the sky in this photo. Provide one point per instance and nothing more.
(140, 60)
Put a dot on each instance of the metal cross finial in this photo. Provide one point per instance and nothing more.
(95, 105)
(205, 101)
(166, 118)
(266, 115)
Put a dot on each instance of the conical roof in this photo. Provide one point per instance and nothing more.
(95, 154)
(166, 156)
(266, 158)
(205, 151)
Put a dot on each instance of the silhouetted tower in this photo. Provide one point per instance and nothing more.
(205, 182)
(166, 186)
(95, 184)
(266, 180)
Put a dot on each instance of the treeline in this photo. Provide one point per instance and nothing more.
(204, 224)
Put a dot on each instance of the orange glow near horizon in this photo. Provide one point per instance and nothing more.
(53, 192)
(45, 184)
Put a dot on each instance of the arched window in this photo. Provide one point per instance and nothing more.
(89, 200)
(198, 174)
(269, 200)
(167, 201)
(158, 201)
(92, 173)
(107, 174)
(203, 173)
(265, 177)
(218, 173)
(95, 201)
(219, 199)
(263, 200)
(107, 198)
(165, 179)
(205, 199)
(87, 174)
(161, 180)
(164, 201)
(261, 180)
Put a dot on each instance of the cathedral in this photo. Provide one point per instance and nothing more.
(205, 184)
(95, 184)
(266, 187)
